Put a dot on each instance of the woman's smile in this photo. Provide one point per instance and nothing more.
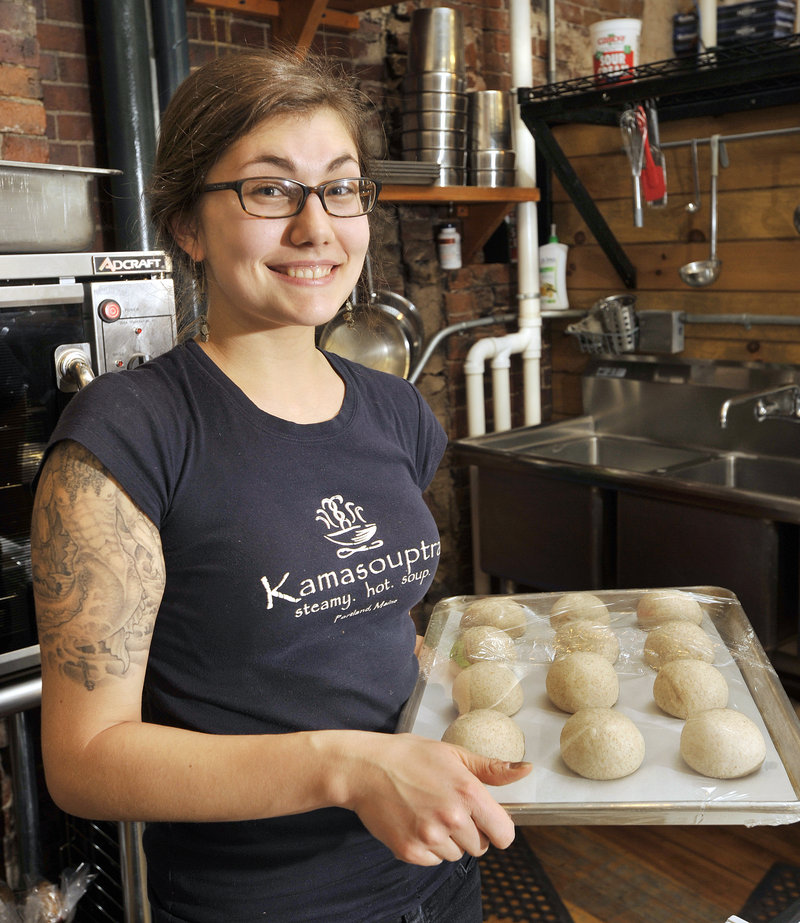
(306, 272)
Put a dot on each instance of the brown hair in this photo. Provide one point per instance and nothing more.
(215, 106)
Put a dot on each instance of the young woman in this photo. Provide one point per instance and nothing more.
(227, 542)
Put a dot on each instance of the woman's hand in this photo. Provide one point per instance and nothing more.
(425, 799)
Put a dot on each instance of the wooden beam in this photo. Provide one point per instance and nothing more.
(298, 22)
(271, 9)
(355, 6)
(265, 9)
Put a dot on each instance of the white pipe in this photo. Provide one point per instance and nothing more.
(501, 386)
(527, 340)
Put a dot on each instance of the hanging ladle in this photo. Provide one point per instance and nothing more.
(705, 272)
(694, 205)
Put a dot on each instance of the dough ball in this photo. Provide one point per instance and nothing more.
(483, 643)
(498, 612)
(722, 743)
(660, 606)
(684, 687)
(583, 636)
(488, 733)
(578, 607)
(678, 640)
(602, 744)
(582, 680)
(487, 684)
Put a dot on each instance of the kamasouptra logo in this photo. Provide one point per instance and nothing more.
(346, 526)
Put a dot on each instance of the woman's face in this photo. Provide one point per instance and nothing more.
(265, 273)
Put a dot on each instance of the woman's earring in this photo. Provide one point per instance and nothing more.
(349, 318)
(204, 328)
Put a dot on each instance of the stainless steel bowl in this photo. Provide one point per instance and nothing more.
(442, 156)
(436, 40)
(451, 176)
(431, 101)
(434, 82)
(436, 140)
(493, 178)
(434, 121)
(491, 160)
(489, 120)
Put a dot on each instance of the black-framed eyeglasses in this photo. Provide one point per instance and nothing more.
(274, 197)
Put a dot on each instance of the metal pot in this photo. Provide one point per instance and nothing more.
(47, 207)
(386, 334)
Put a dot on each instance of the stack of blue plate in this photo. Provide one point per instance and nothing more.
(752, 21)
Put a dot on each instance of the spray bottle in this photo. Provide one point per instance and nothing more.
(553, 273)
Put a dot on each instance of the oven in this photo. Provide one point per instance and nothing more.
(65, 318)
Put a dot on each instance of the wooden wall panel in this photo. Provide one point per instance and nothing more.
(757, 241)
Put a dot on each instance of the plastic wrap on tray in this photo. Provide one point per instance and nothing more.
(46, 902)
(616, 642)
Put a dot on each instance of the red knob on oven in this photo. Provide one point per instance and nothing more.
(110, 310)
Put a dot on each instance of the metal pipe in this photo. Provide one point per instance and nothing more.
(746, 320)
(129, 113)
(171, 46)
(445, 332)
(21, 695)
(134, 872)
(741, 136)
(25, 792)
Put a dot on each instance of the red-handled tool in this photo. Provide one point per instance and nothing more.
(654, 186)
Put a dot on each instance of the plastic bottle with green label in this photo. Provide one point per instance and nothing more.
(553, 273)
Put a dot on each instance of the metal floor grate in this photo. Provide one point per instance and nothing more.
(96, 842)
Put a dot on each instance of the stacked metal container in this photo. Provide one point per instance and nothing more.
(491, 160)
(434, 120)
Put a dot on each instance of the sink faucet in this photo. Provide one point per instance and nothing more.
(782, 402)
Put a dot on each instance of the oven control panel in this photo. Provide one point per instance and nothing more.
(133, 321)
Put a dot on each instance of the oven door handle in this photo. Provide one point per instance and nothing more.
(21, 296)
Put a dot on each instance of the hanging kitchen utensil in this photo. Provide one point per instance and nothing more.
(398, 306)
(634, 147)
(694, 205)
(386, 333)
(654, 171)
(704, 272)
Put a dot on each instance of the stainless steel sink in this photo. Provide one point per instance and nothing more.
(774, 476)
(615, 452)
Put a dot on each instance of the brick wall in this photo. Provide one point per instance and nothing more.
(22, 110)
(70, 82)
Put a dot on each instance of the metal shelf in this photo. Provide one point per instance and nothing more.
(480, 208)
(729, 79)
(741, 76)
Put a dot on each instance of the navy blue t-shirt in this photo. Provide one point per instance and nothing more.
(293, 556)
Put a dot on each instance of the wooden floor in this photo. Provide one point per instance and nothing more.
(663, 874)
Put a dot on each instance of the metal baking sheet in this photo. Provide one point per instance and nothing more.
(664, 790)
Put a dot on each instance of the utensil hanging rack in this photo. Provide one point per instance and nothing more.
(737, 78)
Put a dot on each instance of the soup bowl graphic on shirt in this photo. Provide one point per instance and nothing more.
(346, 526)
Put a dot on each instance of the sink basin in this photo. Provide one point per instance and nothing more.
(614, 452)
(774, 476)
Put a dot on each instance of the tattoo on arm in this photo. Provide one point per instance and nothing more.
(98, 570)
